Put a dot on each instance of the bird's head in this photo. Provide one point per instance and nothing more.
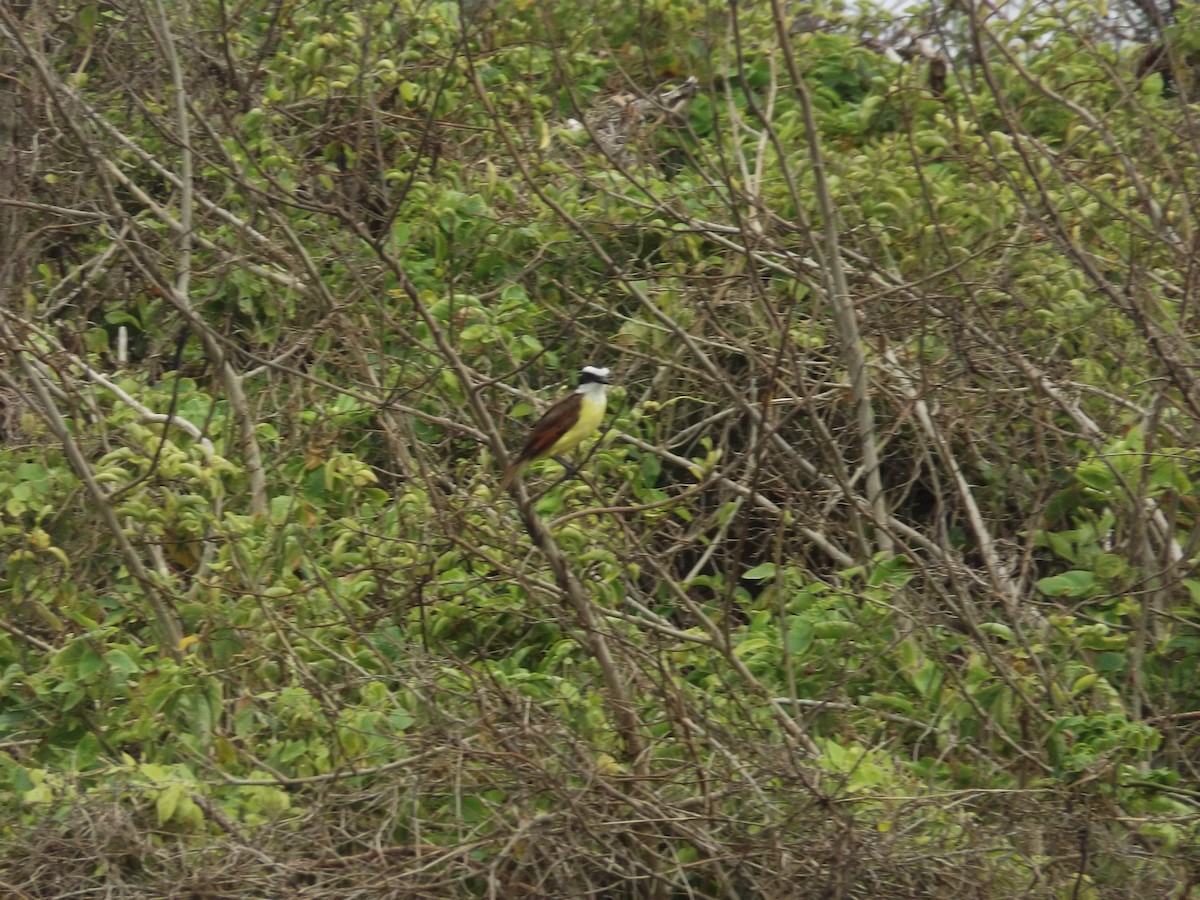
(593, 375)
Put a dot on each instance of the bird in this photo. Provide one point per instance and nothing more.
(567, 422)
(617, 122)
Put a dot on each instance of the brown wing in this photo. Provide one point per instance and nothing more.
(556, 421)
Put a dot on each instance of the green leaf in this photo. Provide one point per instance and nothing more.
(761, 572)
(927, 679)
(32, 473)
(1095, 475)
(1193, 589)
(1109, 566)
(90, 662)
(895, 571)
(478, 333)
(168, 802)
(998, 629)
(400, 719)
(293, 750)
(799, 635)
(1062, 545)
(281, 509)
(120, 662)
(1075, 583)
(86, 19)
(834, 630)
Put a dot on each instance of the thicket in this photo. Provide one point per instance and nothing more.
(880, 582)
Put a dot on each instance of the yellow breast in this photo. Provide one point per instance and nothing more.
(591, 414)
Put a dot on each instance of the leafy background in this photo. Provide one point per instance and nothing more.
(880, 581)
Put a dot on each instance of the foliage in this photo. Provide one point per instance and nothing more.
(285, 279)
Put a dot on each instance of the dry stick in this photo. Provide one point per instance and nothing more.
(272, 275)
(86, 272)
(31, 639)
(782, 599)
(235, 394)
(647, 620)
(64, 211)
(839, 291)
(183, 265)
(165, 622)
(215, 209)
(1157, 337)
(624, 510)
(180, 290)
(824, 543)
(894, 283)
(624, 710)
(710, 368)
(1176, 356)
(1150, 600)
(147, 415)
(769, 135)
(999, 571)
(718, 234)
(796, 735)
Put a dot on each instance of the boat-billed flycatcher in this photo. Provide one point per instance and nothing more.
(564, 424)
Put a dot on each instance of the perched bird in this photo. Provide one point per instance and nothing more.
(565, 424)
(617, 122)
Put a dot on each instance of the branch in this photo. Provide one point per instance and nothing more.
(839, 292)
(163, 619)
